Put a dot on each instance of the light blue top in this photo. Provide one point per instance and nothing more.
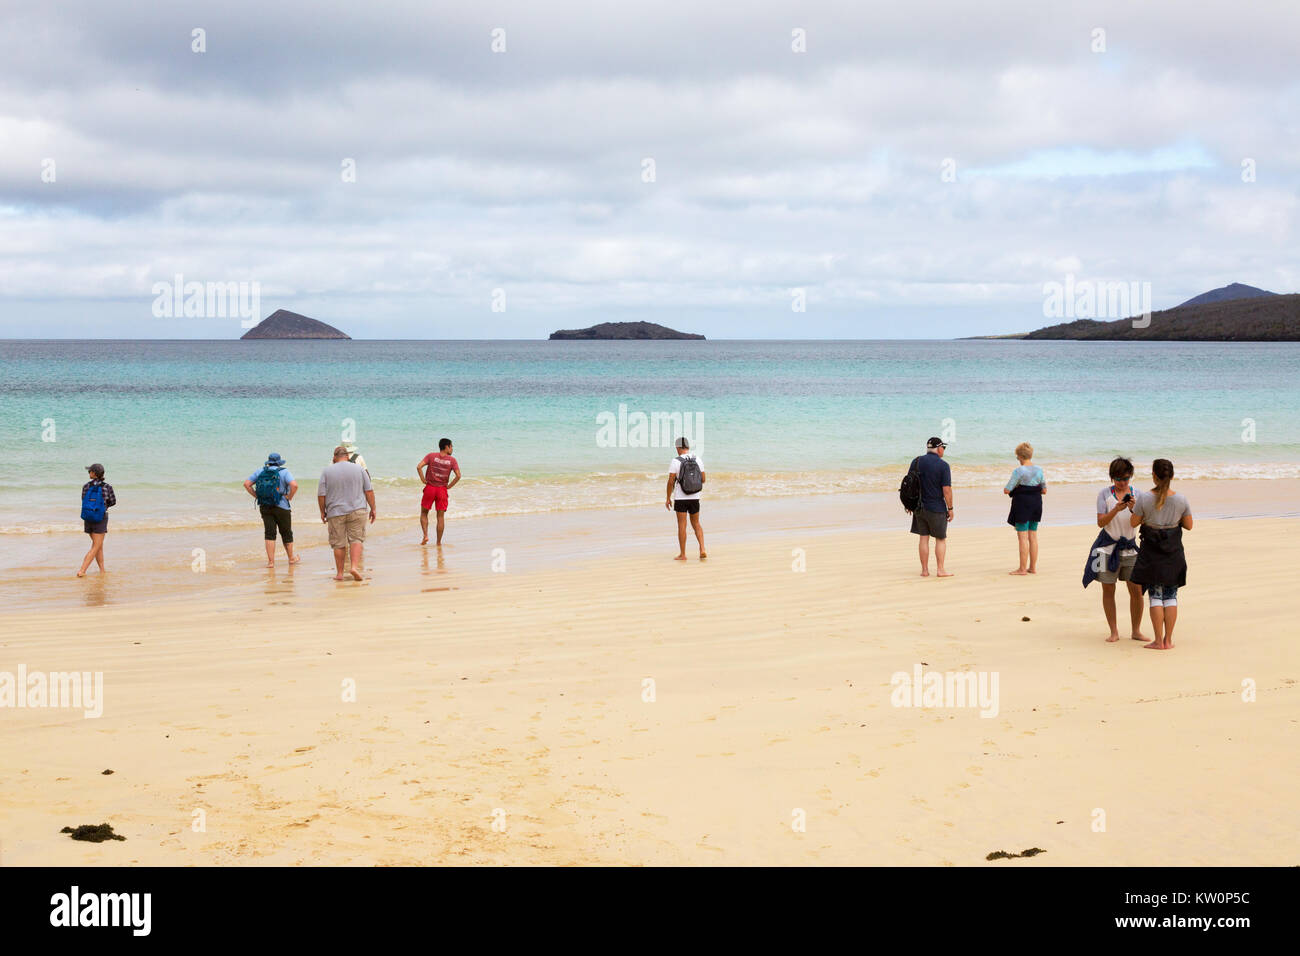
(285, 479)
(1030, 475)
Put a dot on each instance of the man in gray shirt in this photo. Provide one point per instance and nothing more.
(343, 494)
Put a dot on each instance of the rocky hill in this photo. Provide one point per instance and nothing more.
(283, 324)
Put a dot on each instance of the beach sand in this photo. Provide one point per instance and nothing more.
(520, 698)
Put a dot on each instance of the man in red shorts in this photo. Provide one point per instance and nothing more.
(434, 469)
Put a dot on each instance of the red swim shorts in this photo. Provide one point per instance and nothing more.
(434, 494)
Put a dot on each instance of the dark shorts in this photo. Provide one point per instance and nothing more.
(280, 519)
(932, 523)
(96, 527)
(687, 506)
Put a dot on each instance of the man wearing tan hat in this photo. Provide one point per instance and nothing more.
(343, 494)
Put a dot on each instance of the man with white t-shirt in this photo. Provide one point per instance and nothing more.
(684, 495)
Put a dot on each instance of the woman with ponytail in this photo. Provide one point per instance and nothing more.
(1161, 566)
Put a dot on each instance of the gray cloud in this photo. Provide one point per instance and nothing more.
(523, 170)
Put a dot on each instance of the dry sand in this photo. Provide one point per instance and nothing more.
(524, 693)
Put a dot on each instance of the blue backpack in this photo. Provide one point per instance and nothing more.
(92, 503)
(267, 487)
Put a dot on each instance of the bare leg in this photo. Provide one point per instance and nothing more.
(1157, 625)
(1171, 618)
(1033, 552)
(681, 536)
(424, 524)
(270, 553)
(699, 535)
(1108, 606)
(1135, 610)
(923, 550)
(338, 563)
(1022, 539)
(441, 524)
(358, 549)
(290, 554)
(95, 553)
(940, 552)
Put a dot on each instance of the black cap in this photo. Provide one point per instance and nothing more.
(936, 443)
(96, 469)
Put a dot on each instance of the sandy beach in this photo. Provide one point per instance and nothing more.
(627, 709)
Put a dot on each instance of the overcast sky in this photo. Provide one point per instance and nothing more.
(525, 170)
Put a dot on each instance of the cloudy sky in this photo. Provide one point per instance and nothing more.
(918, 169)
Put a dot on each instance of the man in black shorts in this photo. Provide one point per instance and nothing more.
(276, 514)
(685, 502)
(931, 519)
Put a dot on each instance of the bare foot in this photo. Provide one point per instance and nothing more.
(295, 560)
(1033, 570)
(925, 572)
(424, 542)
(357, 575)
(944, 574)
(81, 574)
(1112, 639)
(270, 564)
(1153, 646)
(703, 555)
(1019, 572)
(1139, 637)
(338, 577)
(680, 557)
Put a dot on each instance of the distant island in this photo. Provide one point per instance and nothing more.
(1233, 313)
(283, 324)
(624, 330)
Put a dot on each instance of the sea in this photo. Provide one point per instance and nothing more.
(542, 426)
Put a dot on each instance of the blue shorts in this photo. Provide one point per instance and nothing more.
(1163, 595)
(1027, 526)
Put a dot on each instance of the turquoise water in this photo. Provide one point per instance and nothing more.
(179, 425)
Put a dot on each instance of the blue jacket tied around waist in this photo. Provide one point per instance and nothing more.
(1026, 504)
(1093, 566)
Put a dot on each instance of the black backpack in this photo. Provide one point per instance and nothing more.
(689, 477)
(909, 491)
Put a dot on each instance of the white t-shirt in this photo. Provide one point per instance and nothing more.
(1120, 526)
(673, 468)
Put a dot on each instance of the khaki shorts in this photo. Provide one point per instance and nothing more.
(1125, 570)
(345, 529)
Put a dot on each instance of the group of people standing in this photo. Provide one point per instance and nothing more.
(346, 498)
(1157, 566)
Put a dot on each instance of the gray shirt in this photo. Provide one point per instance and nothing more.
(1168, 516)
(344, 485)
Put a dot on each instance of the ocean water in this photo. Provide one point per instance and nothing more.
(545, 426)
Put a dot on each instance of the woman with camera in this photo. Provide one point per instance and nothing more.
(1114, 553)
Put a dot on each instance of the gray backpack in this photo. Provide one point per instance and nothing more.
(689, 477)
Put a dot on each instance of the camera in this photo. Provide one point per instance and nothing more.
(1127, 498)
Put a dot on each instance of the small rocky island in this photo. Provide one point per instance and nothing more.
(624, 330)
(283, 324)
